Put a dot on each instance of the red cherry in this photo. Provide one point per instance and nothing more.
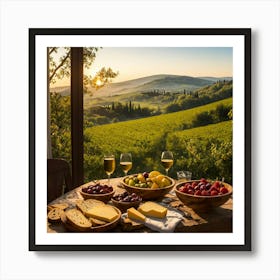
(216, 184)
(194, 184)
(214, 188)
(224, 190)
(198, 192)
(202, 187)
(205, 193)
(183, 189)
(214, 192)
(190, 191)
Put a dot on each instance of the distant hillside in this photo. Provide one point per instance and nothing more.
(174, 83)
(204, 95)
(155, 82)
(215, 79)
(115, 88)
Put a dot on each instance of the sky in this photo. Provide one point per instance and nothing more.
(135, 62)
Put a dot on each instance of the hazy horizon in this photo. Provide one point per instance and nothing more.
(137, 62)
(115, 82)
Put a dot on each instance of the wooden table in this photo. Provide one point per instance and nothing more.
(216, 220)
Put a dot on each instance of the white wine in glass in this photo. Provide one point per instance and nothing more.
(109, 165)
(126, 162)
(167, 160)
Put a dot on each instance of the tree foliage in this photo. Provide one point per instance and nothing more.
(60, 128)
(60, 67)
(202, 96)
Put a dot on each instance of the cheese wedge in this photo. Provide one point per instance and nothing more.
(133, 214)
(152, 209)
(102, 212)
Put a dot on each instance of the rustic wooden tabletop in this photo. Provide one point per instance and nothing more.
(216, 220)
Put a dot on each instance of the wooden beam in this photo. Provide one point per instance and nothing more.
(77, 137)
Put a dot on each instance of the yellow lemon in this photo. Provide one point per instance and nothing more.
(154, 186)
(153, 174)
(165, 182)
(153, 179)
(158, 178)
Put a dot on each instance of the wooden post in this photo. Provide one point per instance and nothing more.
(49, 144)
(77, 116)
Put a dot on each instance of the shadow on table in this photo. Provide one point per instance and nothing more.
(215, 220)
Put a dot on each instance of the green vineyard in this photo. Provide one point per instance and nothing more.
(205, 150)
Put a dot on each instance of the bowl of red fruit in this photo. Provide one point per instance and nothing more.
(203, 194)
(126, 200)
(97, 191)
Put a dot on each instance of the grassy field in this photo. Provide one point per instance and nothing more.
(146, 138)
(205, 150)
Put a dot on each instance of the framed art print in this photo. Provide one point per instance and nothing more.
(140, 139)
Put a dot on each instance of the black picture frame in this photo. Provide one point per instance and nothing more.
(244, 32)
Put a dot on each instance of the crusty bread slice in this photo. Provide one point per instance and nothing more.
(76, 218)
(96, 222)
(85, 205)
(61, 206)
(54, 215)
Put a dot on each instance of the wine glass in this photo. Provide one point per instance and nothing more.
(126, 162)
(167, 160)
(109, 165)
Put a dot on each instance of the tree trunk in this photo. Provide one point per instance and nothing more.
(49, 144)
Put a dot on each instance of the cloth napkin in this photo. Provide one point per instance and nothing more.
(168, 224)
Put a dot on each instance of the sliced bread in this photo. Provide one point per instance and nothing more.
(96, 222)
(61, 206)
(54, 215)
(76, 218)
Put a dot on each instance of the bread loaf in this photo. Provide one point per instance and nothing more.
(76, 218)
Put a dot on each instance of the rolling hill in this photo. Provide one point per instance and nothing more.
(149, 83)
(145, 138)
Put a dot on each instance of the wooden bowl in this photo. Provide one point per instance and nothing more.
(108, 226)
(123, 206)
(147, 193)
(100, 228)
(202, 203)
(102, 197)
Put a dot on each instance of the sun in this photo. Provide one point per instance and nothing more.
(98, 82)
